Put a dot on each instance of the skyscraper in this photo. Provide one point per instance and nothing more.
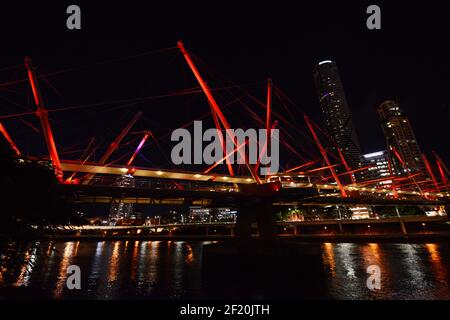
(120, 210)
(400, 136)
(336, 113)
(378, 163)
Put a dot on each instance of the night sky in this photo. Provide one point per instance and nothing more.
(113, 58)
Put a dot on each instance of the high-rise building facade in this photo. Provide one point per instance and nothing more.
(379, 168)
(400, 136)
(336, 113)
(120, 210)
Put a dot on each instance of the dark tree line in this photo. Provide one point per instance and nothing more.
(30, 197)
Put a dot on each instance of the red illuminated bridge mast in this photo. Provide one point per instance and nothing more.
(42, 113)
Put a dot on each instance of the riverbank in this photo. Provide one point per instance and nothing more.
(406, 229)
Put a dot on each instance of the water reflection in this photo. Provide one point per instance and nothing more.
(134, 259)
(433, 251)
(68, 254)
(114, 262)
(27, 268)
(412, 261)
(153, 264)
(329, 258)
(190, 254)
(375, 254)
(346, 254)
(173, 269)
(439, 269)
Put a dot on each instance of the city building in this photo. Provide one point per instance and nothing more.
(336, 113)
(120, 210)
(400, 137)
(202, 214)
(378, 163)
(361, 212)
(199, 214)
(225, 214)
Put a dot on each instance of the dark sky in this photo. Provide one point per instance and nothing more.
(408, 60)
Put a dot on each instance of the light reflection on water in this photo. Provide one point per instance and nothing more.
(408, 271)
(172, 269)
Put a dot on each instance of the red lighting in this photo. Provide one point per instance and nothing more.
(325, 156)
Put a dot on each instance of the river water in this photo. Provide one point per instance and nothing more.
(173, 269)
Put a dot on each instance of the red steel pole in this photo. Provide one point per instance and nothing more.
(221, 140)
(344, 162)
(42, 113)
(225, 157)
(406, 169)
(265, 147)
(307, 164)
(269, 110)
(438, 158)
(214, 104)
(442, 173)
(325, 157)
(394, 189)
(430, 172)
(146, 135)
(9, 139)
(115, 144)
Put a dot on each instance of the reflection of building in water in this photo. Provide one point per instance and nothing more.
(439, 269)
(67, 257)
(114, 262)
(329, 257)
(119, 209)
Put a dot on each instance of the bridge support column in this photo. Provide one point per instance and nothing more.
(244, 223)
(266, 221)
(263, 212)
(340, 226)
(402, 224)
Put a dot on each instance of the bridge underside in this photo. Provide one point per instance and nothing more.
(282, 197)
(255, 203)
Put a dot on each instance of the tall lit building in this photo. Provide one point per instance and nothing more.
(120, 210)
(378, 163)
(400, 136)
(335, 110)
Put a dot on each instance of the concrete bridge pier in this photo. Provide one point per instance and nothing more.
(260, 211)
(340, 226)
